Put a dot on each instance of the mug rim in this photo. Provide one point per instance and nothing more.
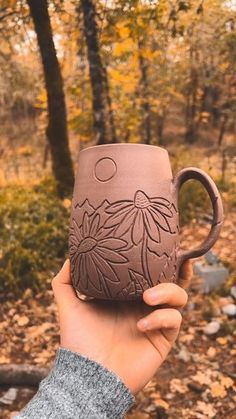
(123, 145)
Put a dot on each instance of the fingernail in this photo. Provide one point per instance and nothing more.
(142, 324)
(154, 295)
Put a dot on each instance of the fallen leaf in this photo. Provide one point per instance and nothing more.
(211, 353)
(227, 382)
(203, 377)
(43, 357)
(161, 403)
(2, 338)
(28, 293)
(4, 359)
(35, 331)
(22, 321)
(151, 385)
(27, 347)
(218, 390)
(186, 338)
(139, 415)
(223, 301)
(206, 408)
(184, 355)
(222, 340)
(3, 326)
(177, 386)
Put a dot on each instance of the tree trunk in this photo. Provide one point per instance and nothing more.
(191, 126)
(223, 165)
(160, 125)
(109, 105)
(146, 109)
(57, 126)
(222, 129)
(96, 71)
(209, 105)
(191, 107)
(204, 100)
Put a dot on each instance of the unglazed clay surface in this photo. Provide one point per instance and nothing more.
(124, 233)
(112, 247)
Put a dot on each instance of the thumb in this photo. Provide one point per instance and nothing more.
(62, 287)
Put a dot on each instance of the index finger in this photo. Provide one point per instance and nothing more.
(166, 293)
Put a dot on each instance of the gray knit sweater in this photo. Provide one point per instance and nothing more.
(78, 387)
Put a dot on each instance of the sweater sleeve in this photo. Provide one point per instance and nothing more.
(78, 387)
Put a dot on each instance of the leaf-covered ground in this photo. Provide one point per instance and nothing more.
(198, 380)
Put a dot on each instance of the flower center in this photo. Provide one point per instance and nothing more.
(141, 200)
(87, 244)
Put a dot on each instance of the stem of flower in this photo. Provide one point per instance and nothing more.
(144, 259)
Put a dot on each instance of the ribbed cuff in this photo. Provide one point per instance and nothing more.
(96, 388)
(79, 388)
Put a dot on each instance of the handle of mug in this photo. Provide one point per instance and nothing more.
(208, 183)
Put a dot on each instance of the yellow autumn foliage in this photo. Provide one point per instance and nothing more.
(123, 47)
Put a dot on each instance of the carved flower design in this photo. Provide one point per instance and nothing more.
(140, 215)
(93, 253)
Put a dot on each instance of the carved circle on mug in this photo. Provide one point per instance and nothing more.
(105, 169)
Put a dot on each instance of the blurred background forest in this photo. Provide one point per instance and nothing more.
(79, 73)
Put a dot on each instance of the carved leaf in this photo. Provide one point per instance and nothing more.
(140, 283)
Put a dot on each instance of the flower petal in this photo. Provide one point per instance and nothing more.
(116, 218)
(82, 268)
(151, 227)
(85, 225)
(110, 255)
(160, 219)
(117, 206)
(163, 209)
(138, 227)
(112, 243)
(77, 231)
(76, 265)
(84, 279)
(104, 232)
(73, 249)
(105, 268)
(126, 223)
(92, 272)
(74, 240)
(160, 200)
(94, 225)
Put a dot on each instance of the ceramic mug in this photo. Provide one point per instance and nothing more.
(124, 231)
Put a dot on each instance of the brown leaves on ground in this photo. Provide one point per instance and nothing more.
(29, 330)
(197, 381)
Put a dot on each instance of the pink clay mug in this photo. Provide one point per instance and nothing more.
(124, 232)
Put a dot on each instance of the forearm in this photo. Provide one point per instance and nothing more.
(78, 387)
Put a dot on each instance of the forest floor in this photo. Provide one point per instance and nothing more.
(198, 380)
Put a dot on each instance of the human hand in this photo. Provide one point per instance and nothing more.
(133, 338)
